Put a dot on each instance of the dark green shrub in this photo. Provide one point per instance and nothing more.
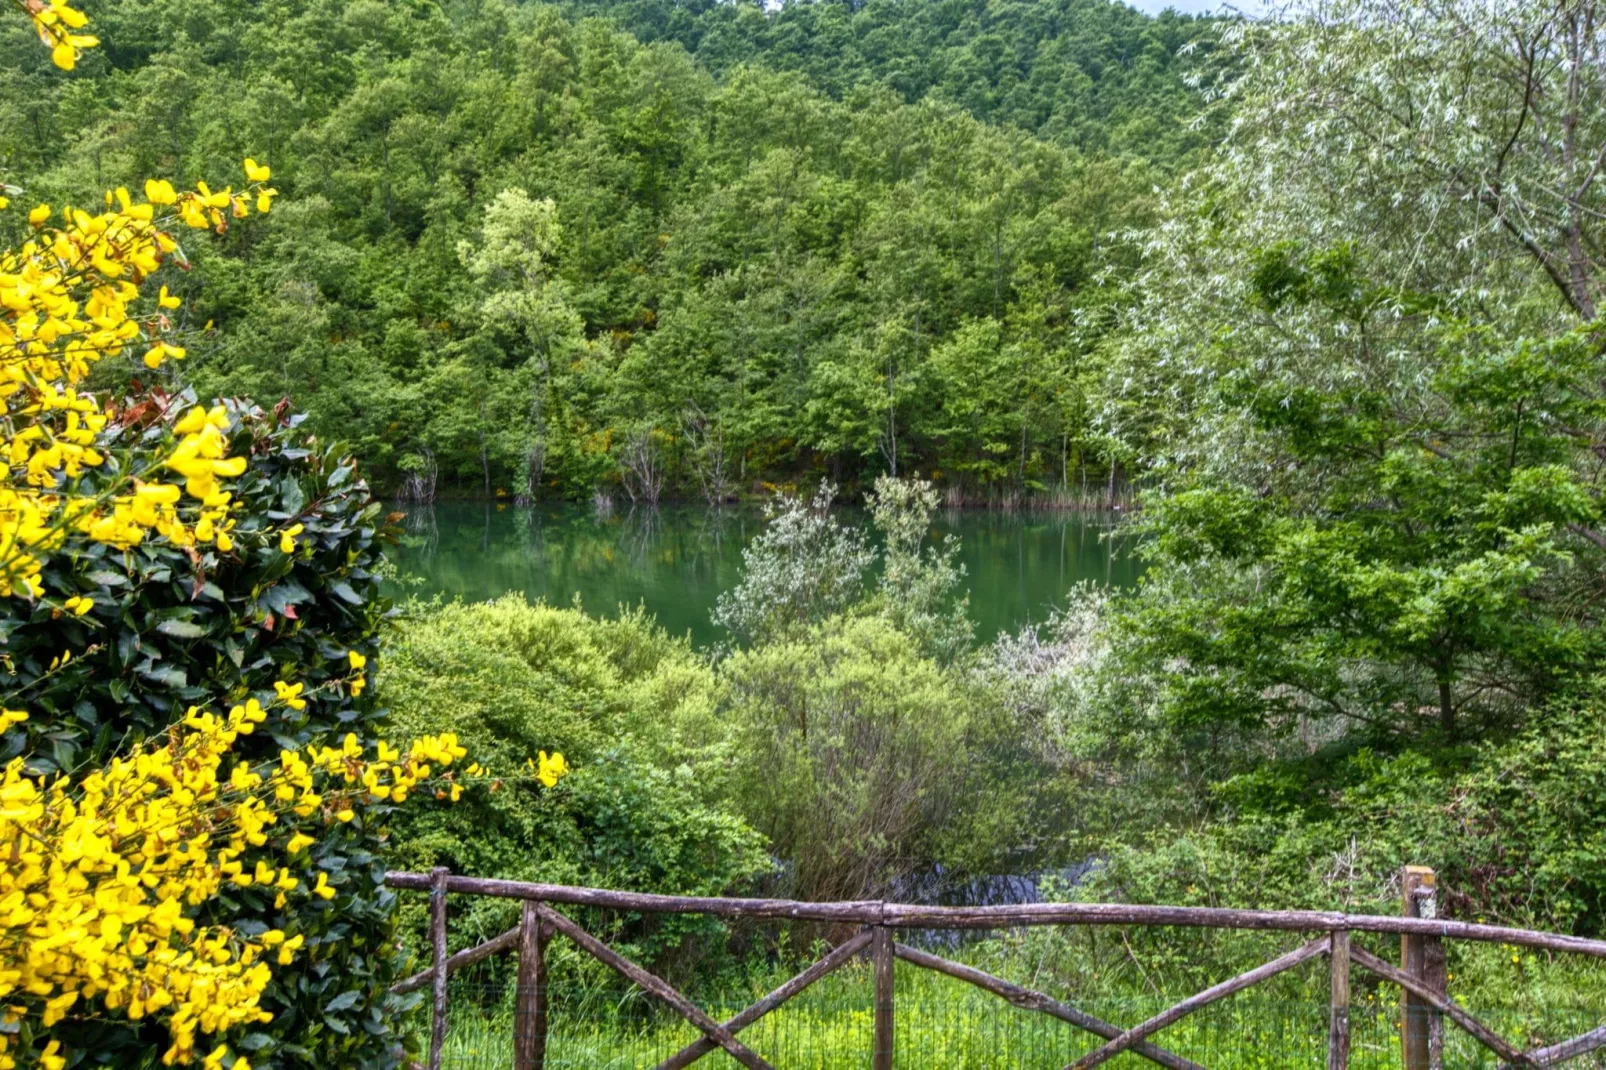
(645, 808)
(172, 628)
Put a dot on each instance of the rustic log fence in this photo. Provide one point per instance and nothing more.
(1421, 975)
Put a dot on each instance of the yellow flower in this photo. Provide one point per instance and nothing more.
(290, 694)
(161, 350)
(322, 889)
(287, 541)
(160, 191)
(550, 770)
(358, 661)
(78, 605)
(166, 300)
(38, 215)
(256, 172)
(289, 948)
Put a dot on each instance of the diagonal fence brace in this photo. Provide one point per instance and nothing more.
(1557, 1054)
(703, 1045)
(1448, 1007)
(1027, 999)
(656, 986)
(1126, 1040)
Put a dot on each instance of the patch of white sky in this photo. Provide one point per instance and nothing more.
(1252, 8)
(1199, 7)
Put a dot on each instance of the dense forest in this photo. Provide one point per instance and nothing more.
(527, 253)
(1092, 76)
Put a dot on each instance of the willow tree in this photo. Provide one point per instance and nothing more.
(1365, 362)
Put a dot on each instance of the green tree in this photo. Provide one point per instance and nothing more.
(513, 263)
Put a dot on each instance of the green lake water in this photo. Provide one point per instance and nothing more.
(677, 559)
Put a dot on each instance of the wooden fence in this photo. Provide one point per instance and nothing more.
(1421, 975)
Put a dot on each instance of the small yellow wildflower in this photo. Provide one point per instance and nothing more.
(550, 769)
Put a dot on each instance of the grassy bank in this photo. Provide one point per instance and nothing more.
(944, 1023)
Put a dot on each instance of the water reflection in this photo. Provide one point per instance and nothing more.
(676, 559)
(938, 887)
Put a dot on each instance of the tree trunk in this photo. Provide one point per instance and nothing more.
(485, 457)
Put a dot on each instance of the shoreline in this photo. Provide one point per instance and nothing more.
(1123, 504)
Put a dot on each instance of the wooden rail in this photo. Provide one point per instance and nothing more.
(1421, 977)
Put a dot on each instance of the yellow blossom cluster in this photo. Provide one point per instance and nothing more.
(55, 21)
(69, 297)
(548, 769)
(102, 871)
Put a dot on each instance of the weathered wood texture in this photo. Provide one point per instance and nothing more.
(885, 1017)
(529, 1009)
(905, 916)
(866, 912)
(1027, 999)
(437, 939)
(1338, 1002)
(1479, 1032)
(1421, 956)
(703, 1046)
(1205, 998)
(1423, 979)
(1556, 1054)
(655, 986)
(467, 957)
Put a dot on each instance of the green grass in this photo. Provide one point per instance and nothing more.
(946, 1023)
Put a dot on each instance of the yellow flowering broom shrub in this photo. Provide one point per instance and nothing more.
(57, 23)
(171, 875)
(102, 873)
(69, 298)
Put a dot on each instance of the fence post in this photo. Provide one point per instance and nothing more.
(437, 936)
(529, 1013)
(1338, 1010)
(881, 957)
(1421, 1027)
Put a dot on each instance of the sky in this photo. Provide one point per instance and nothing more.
(1196, 7)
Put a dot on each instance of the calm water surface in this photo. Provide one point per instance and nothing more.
(677, 559)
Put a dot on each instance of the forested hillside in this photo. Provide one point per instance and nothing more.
(1087, 74)
(540, 257)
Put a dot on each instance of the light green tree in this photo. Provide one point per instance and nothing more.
(512, 263)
